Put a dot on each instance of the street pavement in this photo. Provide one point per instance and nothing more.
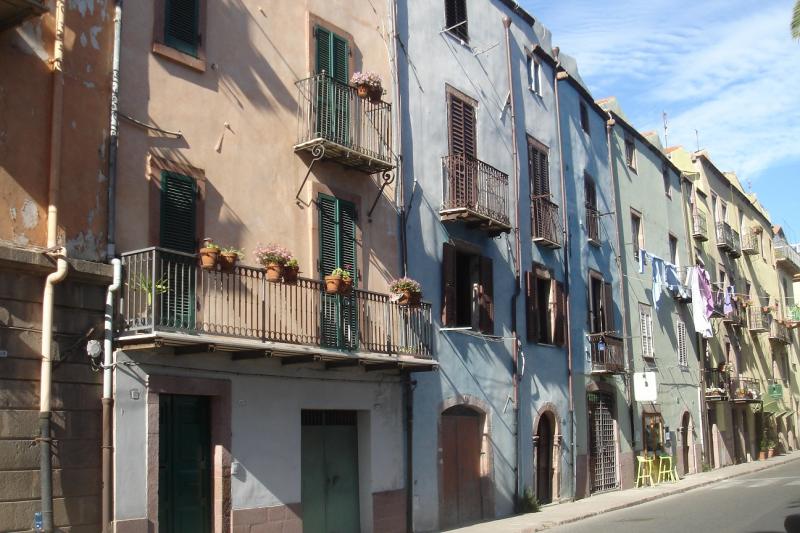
(752, 497)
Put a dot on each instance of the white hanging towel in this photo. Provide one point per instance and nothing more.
(702, 324)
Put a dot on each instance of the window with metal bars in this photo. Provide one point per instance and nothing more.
(646, 330)
(455, 18)
(682, 355)
(182, 25)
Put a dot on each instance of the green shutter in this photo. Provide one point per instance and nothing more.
(323, 51)
(339, 59)
(333, 116)
(178, 212)
(181, 22)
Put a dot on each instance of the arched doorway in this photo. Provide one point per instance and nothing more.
(545, 440)
(462, 498)
(685, 442)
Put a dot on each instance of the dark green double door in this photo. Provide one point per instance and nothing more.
(329, 464)
(184, 464)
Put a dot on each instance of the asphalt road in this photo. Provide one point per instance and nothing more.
(755, 503)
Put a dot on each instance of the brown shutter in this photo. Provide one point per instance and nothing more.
(559, 315)
(462, 127)
(448, 284)
(531, 316)
(486, 297)
(608, 307)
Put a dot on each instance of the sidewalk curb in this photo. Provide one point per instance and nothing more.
(677, 490)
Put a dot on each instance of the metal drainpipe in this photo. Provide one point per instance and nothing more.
(108, 399)
(518, 251)
(114, 134)
(567, 251)
(45, 459)
(623, 302)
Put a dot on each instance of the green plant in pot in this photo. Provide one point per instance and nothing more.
(209, 254)
(145, 284)
(229, 257)
(407, 291)
(290, 271)
(339, 281)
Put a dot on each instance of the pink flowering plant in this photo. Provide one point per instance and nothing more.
(370, 79)
(272, 254)
(404, 284)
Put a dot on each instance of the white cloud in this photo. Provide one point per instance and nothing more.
(728, 69)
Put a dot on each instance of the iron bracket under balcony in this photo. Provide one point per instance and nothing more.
(335, 123)
(475, 193)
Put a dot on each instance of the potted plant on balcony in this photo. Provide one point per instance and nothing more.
(228, 258)
(368, 85)
(338, 282)
(145, 284)
(406, 291)
(290, 271)
(209, 253)
(273, 257)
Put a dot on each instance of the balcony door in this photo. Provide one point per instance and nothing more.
(337, 238)
(333, 91)
(463, 182)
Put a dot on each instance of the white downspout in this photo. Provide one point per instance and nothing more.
(108, 400)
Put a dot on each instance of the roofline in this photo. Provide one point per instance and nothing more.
(519, 11)
(539, 51)
(645, 140)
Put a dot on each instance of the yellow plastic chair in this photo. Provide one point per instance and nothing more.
(644, 471)
(666, 472)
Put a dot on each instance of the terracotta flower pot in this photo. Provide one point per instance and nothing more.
(346, 287)
(290, 274)
(375, 94)
(228, 261)
(208, 258)
(274, 272)
(363, 91)
(762, 455)
(410, 298)
(771, 452)
(333, 284)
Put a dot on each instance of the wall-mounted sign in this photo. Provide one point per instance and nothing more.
(644, 387)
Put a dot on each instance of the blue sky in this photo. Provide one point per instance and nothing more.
(728, 69)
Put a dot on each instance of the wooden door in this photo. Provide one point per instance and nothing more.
(329, 472)
(685, 449)
(602, 450)
(184, 462)
(462, 501)
(544, 461)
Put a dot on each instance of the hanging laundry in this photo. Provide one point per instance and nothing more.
(699, 304)
(727, 307)
(642, 260)
(674, 284)
(705, 291)
(658, 279)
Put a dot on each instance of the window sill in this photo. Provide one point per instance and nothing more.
(190, 61)
(594, 242)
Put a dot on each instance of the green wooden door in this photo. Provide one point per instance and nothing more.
(176, 306)
(337, 237)
(184, 464)
(333, 101)
(329, 470)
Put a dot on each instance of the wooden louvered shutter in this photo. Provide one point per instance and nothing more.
(181, 23)
(339, 56)
(328, 235)
(448, 285)
(486, 296)
(531, 316)
(608, 308)
(178, 212)
(324, 51)
(455, 11)
(559, 315)
(462, 128)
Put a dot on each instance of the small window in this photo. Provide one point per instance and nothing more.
(646, 330)
(584, 117)
(468, 290)
(636, 235)
(545, 306)
(455, 17)
(673, 249)
(630, 152)
(592, 214)
(682, 348)
(665, 174)
(535, 75)
(181, 25)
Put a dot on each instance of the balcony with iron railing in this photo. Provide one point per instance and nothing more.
(14, 12)
(778, 332)
(735, 315)
(168, 298)
(750, 243)
(607, 352)
(592, 224)
(476, 193)
(786, 257)
(724, 236)
(736, 245)
(335, 123)
(544, 221)
(717, 384)
(699, 226)
(757, 320)
(745, 389)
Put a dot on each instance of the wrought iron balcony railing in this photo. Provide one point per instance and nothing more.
(717, 384)
(779, 332)
(544, 221)
(757, 320)
(750, 243)
(787, 257)
(735, 316)
(592, 224)
(724, 236)
(607, 352)
(736, 245)
(335, 123)
(166, 291)
(699, 227)
(745, 389)
(475, 192)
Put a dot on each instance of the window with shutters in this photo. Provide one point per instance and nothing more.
(584, 118)
(468, 295)
(332, 59)
(592, 213)
(544, 212)
(601, 304)
(545, 301)
(665, 175)
(682, 353)
(178, 212)
(461, 125)
(630, 152)
(673, 249)
(178, 31)
(646, 330)
(535, 75)
(455, 18)
(637, 240)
